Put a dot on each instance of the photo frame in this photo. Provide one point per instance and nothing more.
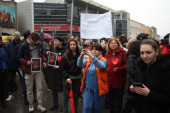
(52, 57)
(36, 66)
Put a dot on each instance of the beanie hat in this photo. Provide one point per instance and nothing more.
(17, 33)
(142, 36)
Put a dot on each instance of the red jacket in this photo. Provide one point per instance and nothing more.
(116, 79)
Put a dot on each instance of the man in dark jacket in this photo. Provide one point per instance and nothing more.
(29, 51)
(3, 72)
(13, 63)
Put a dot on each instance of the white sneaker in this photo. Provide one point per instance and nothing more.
(41, 108)
(10, 97)
(31, 108)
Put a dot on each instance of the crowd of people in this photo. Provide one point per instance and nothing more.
(116, 73)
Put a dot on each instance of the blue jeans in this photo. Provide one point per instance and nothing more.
(55, 98)
(93, 103)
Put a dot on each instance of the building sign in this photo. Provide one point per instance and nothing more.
(56, 27)
(96, 26)
(7, 16)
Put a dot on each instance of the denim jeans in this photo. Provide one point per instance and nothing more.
(55, 98)
(93, 103)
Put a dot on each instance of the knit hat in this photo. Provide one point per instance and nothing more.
(142, 36)
(17, 33)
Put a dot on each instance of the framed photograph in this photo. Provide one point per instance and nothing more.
(36, 66)
(52, 57)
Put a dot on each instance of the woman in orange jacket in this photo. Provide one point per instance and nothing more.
(94, 84)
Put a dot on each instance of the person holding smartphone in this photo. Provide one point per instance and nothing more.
(152, 70)
(94, 85)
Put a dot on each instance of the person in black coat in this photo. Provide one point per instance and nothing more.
(152, 71)
(13, 63)
(55, 77)
(72, 73)
(133, 53)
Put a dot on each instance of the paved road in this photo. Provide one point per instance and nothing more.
(17, 105)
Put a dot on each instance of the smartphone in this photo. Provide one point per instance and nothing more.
(137, 84)
(84, 46)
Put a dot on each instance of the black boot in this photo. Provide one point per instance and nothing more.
(3, 104)
(53, 107)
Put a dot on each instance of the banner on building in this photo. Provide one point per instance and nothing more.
(7, 16)
(96, 26)
(57, 27)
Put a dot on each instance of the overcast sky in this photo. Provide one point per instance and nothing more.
(148, 12)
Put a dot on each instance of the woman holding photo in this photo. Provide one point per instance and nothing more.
(55, 77)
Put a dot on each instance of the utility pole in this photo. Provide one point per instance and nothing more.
(54, 31)
(71, 24)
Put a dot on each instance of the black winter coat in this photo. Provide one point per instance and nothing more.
(70, 68)
(131, 73)
(157, 78)
(13, 48)
(54, 76)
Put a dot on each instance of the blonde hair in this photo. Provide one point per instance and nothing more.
(110, 40)
(130, 42)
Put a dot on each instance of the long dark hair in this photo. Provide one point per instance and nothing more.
(134, 49)
(68, 52)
